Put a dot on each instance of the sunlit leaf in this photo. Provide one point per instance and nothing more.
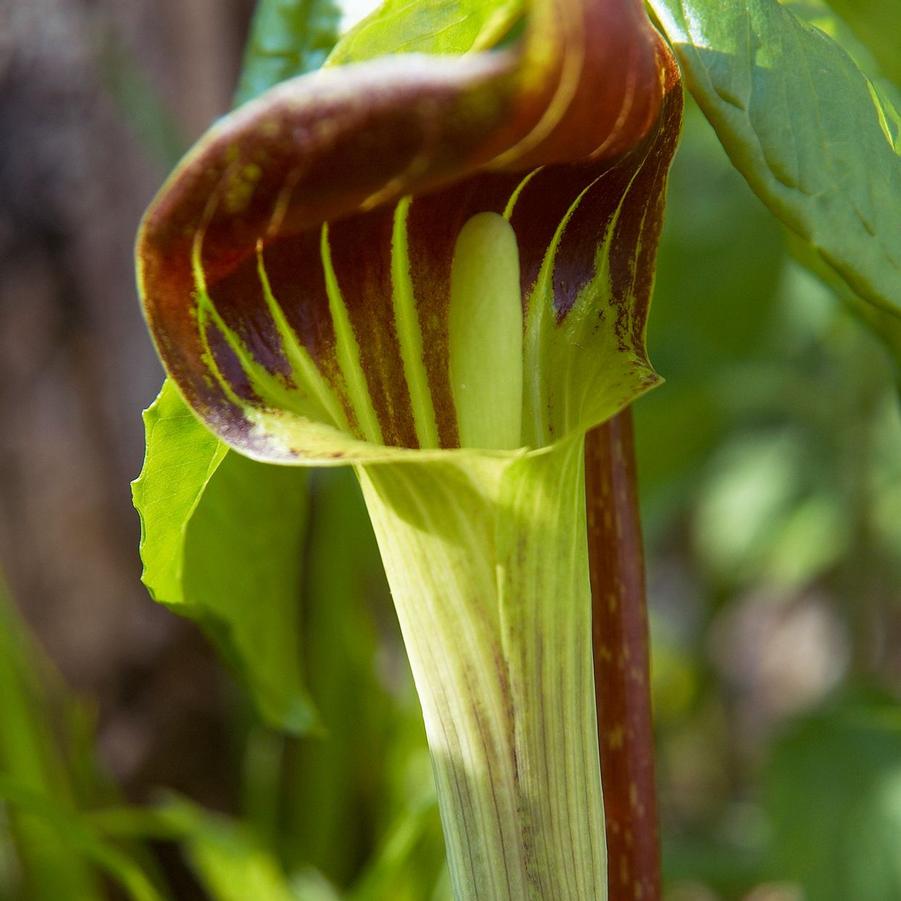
(824, 14)
(443, 26)
(223, 543)
(807, 129)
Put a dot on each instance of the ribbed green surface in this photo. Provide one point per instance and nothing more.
(488, 567)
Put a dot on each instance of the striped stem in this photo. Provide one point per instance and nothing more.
(621, 661)
(487, 562)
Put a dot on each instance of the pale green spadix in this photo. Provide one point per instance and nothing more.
(485, 334)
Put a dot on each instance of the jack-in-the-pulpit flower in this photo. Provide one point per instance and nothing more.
(438, 269)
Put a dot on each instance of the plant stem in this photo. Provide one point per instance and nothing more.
(487, 562)
(621, 661)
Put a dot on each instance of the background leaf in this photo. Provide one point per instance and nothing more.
(338, 773)
(227, 859)
(287, 38)
(33, 761)
(876, 23)
(833, 791)
(713, 304)
(808, 130)
(222, 542)
(48, 775)
(442, 26)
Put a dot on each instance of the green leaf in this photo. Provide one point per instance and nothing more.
(711, 222)
(412, 846)
(287, 38)
(33, 763)
(227, 858)
(807, 129)
(876, 24)
(440, 26)
(833, 792)
(822, 14)
(334, 797)
(68, 832)
(222, 542)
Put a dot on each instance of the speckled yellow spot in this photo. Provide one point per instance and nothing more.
(269, 128)
(240, 188)
(633, 795)
(616, 738)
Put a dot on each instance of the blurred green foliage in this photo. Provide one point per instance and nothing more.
(876, 23)
(771, 468)
(48, 779)
(287, 38)
(806, 127)
(833, 790)
(33, 759)
(771, 485)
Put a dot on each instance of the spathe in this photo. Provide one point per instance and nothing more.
(300, 301)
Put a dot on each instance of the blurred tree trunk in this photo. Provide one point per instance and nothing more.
(87, 91)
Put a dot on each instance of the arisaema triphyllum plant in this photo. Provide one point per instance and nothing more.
(437, 270)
